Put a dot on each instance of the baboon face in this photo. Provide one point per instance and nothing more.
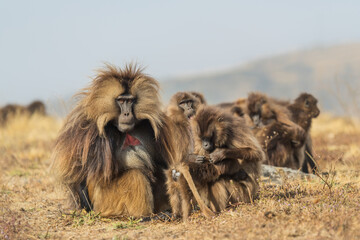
(255, 103)
(211, 129)
(123, 98)
(309, 104)
(126, 119)
(187, 103)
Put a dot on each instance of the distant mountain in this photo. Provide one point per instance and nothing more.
(328, 73)
(332, 74)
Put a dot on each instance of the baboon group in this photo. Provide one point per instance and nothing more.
(11, 110)
(121, 153)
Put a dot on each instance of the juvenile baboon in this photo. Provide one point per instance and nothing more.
(303, 110)
(228, 158)
(115, 145)
(182, 107)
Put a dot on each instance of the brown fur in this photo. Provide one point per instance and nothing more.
(12, 110)
(231, 175)
(269, 110)
(37, 107)
(199, 96)
(284, 148)
(303, 110)
(286, 138)
(236, 108)
(178, 188)
(89, 146)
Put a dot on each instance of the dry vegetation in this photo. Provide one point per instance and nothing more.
(31, 207)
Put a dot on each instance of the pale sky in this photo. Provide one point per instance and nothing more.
(49, 49)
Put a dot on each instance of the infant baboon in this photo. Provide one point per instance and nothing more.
(226, 160)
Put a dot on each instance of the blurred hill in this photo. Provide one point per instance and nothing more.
(332, 74)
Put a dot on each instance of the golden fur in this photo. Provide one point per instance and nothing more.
(88, 147)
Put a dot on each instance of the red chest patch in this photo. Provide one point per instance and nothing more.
(130, 141)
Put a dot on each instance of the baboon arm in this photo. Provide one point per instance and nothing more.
(247, 154)
(284, 118)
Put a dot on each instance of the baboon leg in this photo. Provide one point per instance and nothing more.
(309, 156)
(304, 167)
(219, 196)
(185, 199)
(299, 157)
(173, 190)
(129, 195)
(278, 156)
(204, 209)
(175, 201)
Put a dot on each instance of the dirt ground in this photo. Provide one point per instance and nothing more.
(32, 207)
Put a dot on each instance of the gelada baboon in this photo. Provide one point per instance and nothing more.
(199, 96)
(286, 138)
(281, 138)
(182, 107)
(11, 110)
(284, 146)
(37, 107)
(228, 158)
(303, 110)
(264, 110)
(235, 108)
(115, 145)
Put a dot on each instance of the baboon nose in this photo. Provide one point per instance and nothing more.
(207, 146)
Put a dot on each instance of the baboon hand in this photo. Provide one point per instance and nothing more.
(175, 174)
(200, 159)
(216, 156)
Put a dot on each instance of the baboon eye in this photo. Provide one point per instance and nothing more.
(306, 103)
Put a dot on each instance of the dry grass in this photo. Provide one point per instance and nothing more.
(31, 207)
